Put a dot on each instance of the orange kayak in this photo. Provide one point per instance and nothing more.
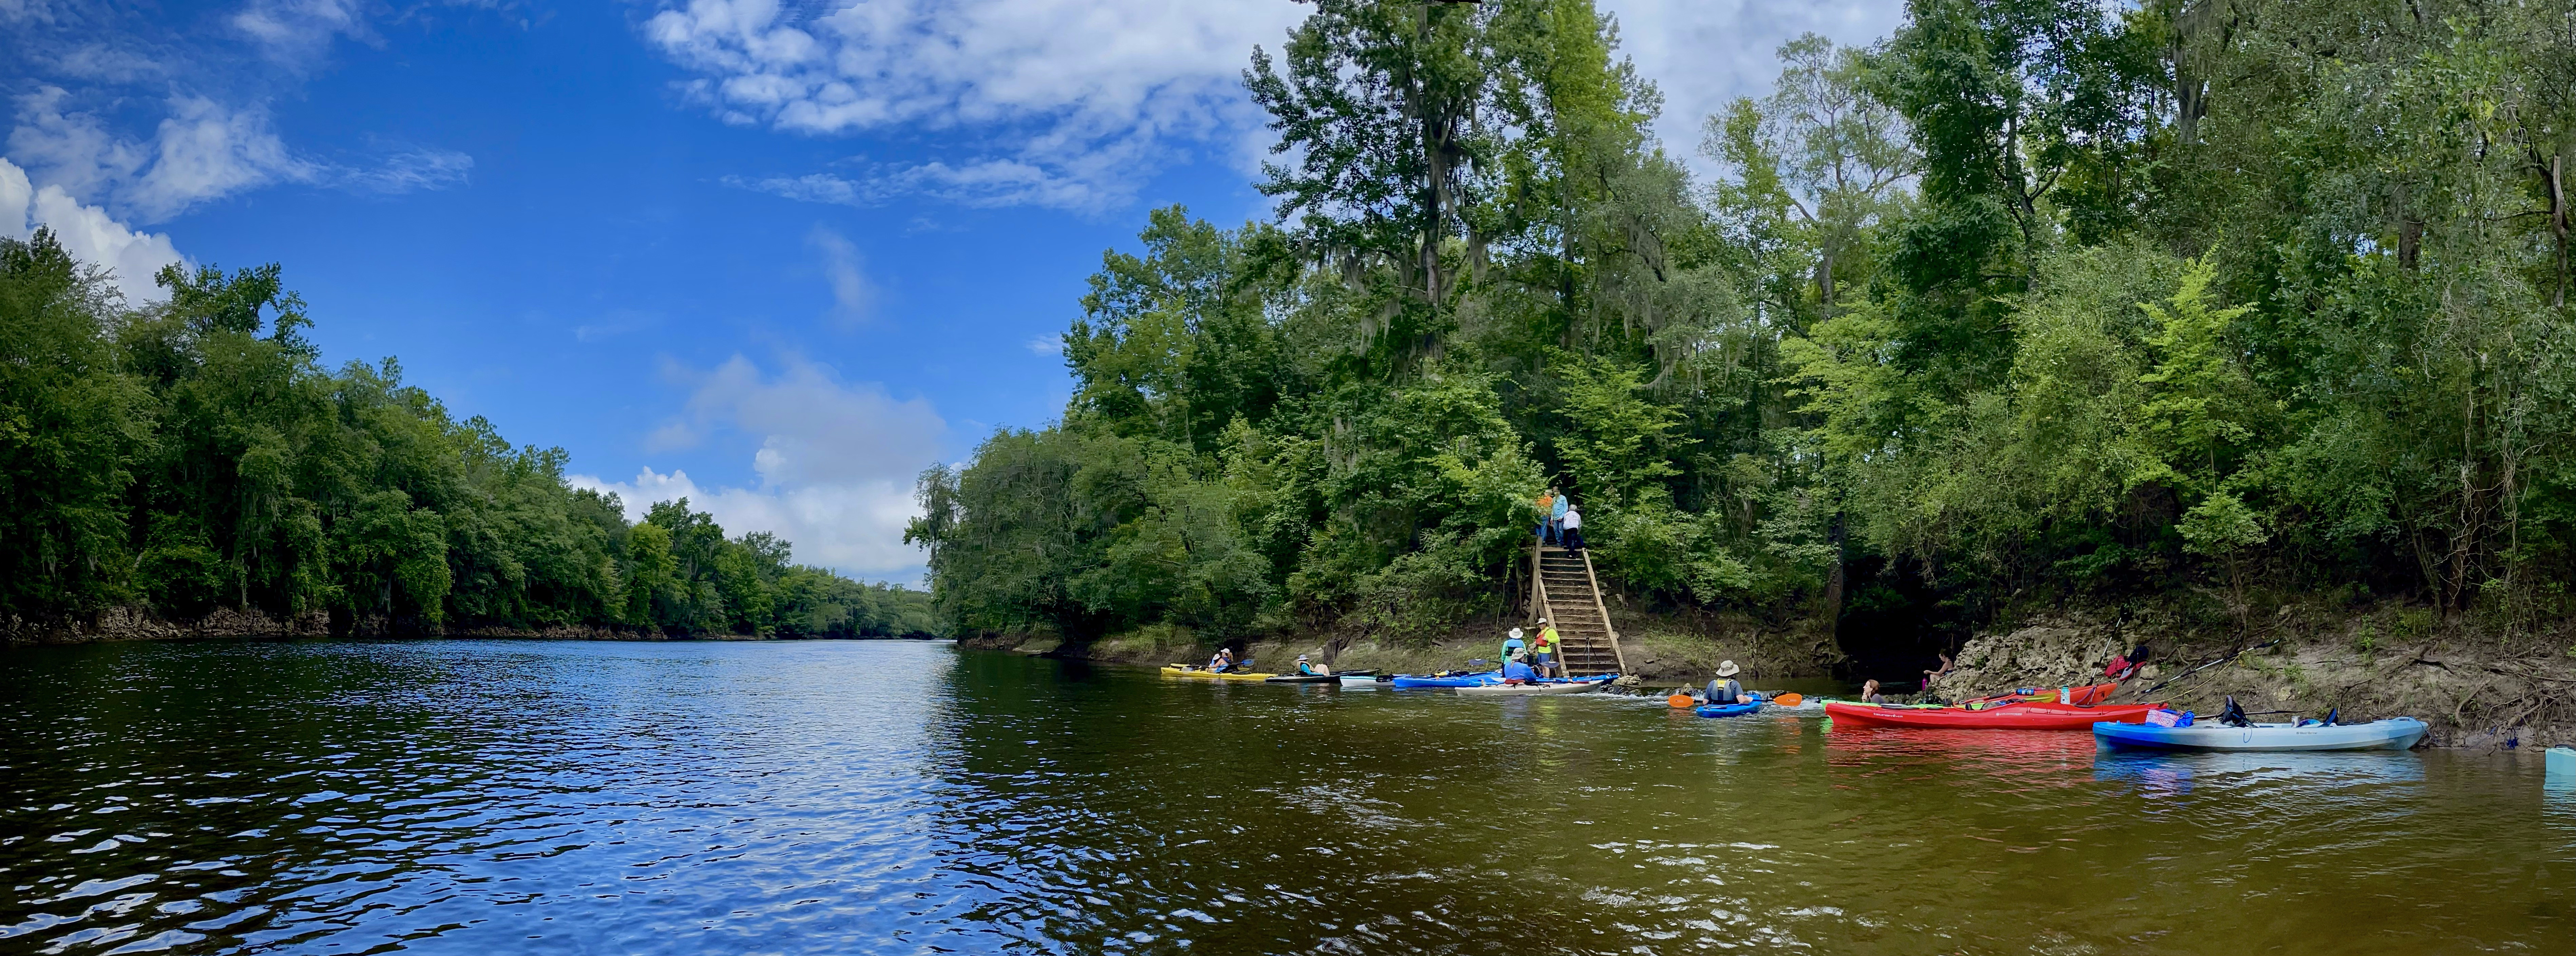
(2048, 714)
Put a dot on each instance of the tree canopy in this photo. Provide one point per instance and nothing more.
(2032, 299)
(194, 455)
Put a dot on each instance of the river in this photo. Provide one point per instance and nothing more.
(484, 797)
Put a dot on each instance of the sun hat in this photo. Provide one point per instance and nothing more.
(1516, 633)
(1726, 668)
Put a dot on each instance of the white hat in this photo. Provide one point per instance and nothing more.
(1301, 657)
(1516, 633)
(1726, 668)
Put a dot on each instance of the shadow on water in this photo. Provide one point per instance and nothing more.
(480, 797)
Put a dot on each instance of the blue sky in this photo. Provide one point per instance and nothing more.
(776, 257)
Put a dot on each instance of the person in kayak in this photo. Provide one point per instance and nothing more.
(1222, 661)
(1724, 690)
(1304, 667)
(1869, 693)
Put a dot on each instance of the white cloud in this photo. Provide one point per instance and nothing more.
(201, 151)
(298, 31)
(412, 170)
(204, 151)
(87, 232)
(1082, 92)
(1705, 53)
(1046, 345)
(836, 461)
(853, 297)
(984, 183)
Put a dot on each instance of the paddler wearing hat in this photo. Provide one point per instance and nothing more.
(1305, 667)
(1724, 690)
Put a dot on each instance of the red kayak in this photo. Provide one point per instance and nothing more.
(2046, 714)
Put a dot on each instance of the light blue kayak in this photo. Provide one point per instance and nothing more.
(2395, 733)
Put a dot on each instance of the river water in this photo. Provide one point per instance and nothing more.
(895, 797)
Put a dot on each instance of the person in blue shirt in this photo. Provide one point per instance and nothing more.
(1724, 690)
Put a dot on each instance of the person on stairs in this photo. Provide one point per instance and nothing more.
(1556, 516)
(1573, 522)
(1547, 516)
(1724, 690)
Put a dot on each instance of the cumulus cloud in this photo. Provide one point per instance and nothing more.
(87, 232)
(836, 461)
(1078, 93)
(201, 151)
(853, 297)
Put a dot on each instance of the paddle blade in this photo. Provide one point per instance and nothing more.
(1678, 700)
(1791, 699)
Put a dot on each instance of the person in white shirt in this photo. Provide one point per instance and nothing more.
(1573, 530)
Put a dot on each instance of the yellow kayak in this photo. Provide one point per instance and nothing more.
(1182, 670)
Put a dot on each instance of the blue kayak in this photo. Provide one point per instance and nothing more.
(1477, 679)
(1730, 710)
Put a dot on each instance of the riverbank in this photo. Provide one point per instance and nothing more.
(2478, 683)
(1659, 649)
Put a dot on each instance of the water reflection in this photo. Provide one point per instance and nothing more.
(479, 797)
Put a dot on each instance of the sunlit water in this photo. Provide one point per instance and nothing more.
(533, 797)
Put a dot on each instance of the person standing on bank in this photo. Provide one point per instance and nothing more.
(1544, 653)
(1573, 522)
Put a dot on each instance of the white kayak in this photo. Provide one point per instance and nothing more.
(1546, 687)
(2395, 733)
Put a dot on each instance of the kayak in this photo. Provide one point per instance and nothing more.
(2560, 762)
(1477, 679)
(1302, 679)
(1551, 685)
(2006, 716)
(1730, 710)
(2395, 733)
(1371, 677)
(1184, 670)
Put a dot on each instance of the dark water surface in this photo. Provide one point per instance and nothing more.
(533, 797)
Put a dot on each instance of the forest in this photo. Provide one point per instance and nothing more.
(190, 456)
(2030, 302)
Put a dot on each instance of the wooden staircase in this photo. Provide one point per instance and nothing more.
(1565, 591)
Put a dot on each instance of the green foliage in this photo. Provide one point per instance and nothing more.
(2035, 294)
(192, 456)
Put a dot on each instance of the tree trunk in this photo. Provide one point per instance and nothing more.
(1834, 579)
(2558, 225)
